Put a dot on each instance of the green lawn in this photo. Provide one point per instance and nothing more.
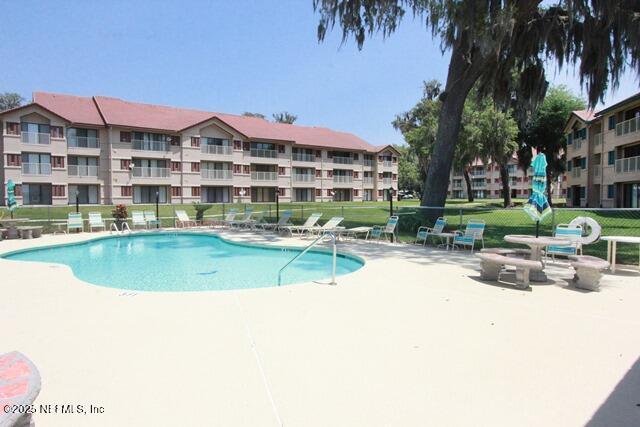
(457, 212)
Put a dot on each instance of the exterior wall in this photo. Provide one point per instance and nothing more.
(118, 170)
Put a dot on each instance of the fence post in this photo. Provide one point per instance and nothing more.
(174, 217)
(269, 211)
(223, 211)
(342, 211)
(302, 211)
(553, 219)
(460, 225)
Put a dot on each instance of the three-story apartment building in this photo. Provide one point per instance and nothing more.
(603, 156)
(101, 150)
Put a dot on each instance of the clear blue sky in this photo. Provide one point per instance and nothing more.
(229, 56)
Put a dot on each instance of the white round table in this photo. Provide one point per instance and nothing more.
(536, 244)
(612, 243)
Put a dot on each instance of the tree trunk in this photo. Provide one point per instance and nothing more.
(467, 179)
(464, 70)
(506, 187)
(549, 192)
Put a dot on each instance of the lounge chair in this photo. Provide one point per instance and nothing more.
(567, 232)
(96, 221)
(331, 225)
(150, 218)
(137, 219)
(229, 217)
(255, 220)
(183, 221)
(389, 229)
(437, 230)
(246, 219)
(75, 222)
(472, 232)
(308, 224)
(276, 226)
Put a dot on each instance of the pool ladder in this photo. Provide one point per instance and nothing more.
(326, 234)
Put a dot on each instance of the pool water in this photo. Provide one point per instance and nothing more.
(186, 262)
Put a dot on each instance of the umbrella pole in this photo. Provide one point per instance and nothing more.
(537, 228)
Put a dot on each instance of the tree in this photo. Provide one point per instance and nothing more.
(408, 170)
(9, 100)
(545, 133)
(285, 117)
(258, 115)
(502, 46)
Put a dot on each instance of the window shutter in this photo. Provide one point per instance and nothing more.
(195, 167)
(318, 192)
(236, 191)
(125, 137)
(281, 171)
(246, 146)
(125, 191)
(195, 191)
(247, 191)
(380, 193)
(329, 174)
(195, 141)
(176, 191)
(355, 193)
(237, 169)
(237, 144)
(246, 169)
(124, 164)
(328, 192)
(283, 192)
(56, 132)
(318, 173)
(13, 128)
(175, 167)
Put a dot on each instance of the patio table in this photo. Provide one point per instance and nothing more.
(612, 243)
(536, 244)
(448, 236)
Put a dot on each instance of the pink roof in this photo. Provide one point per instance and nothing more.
(585, 115)
(118, 112)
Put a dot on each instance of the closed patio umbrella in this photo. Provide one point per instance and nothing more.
(538, 206)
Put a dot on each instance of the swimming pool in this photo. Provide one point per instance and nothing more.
(185, 262)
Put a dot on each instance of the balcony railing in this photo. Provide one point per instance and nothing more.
(216, 173)
(144, 172)
(342, 178)
(82, 170)
(343, 160)
(628, 126)
(141, 145)
(596, 170)
(597, 139)
(576, 172)
(304, 177)
(367, 162)
(367, 180)
(264, 176)
(387, 163)
(263, 153)
(36, 168)
(83, 142)
(303, 157)
(386, 181)
(628, 165)
(216, 149)
(478, 173)
(478, 184)
(35, 138)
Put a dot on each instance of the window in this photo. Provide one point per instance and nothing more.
(125, 136)
(281, 171)
(380, 175)
(329, 193)
(583, 192)
(57, 162)
(280, 148)
(355, 174)
(195, 141)
(394, 177)
(58, 190)
(14, 160)
(569, 193)
(355, 193)
(174, 140)
(237, 145)
(612, 157)
(195, 191)
(36, 194)
(124, 164)
(569, 165)
(263, 194)
(13, 128)
(18, 190)
(329, 174)
(56, 132)
(318, 192)
(611, 191)
(583, 162)
(237, 169)
(318, 153)
(35, 128)
(318, 173)
(125, 191)
(84, 138)
(246, 146)
(175, 167)
(215, 195)
(147, 194)
(612, 122)
(176, 191)
(380, 193)
(195, 167)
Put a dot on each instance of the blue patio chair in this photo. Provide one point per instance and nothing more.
(472, 232)
(567, 232)
(424, 232)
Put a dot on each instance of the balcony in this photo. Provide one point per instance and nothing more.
(367, 162)
(82, 170)
(144, 172)
(264, 176)
(576, 172)
(141, 145)
(628, 165)
(628, 126)
(303, 157)
(263, 153)
(83, 142)
(577, 144)
(343, 160)
(35, 138)
(36, 168)
(386, 181)
(597, 170)
(387, 163)
(477, 185)
(367, 180)
(304, 177)
(342, 178)
(216, 149)
(597, 139)
(478, 172)
(216, 174)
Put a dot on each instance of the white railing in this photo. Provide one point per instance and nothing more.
(367, 180)
(304, 177)
(576, 172)
(303, 157)
(367, 162)
(478, 173)
(628, 165)
(83, 142)
(264, 176)
(387, 163)
(457, 185)
(216, 149)
(263, 153)
(342, 178)
(82, 170)
(144, 172)
(577, 144)
(35, 138)
(343, 160)
(141, 145)
(628, 126)
(597, 139)
(36, 168)
(478, 184)
(216, 173)
(386, 181)
(596, 170)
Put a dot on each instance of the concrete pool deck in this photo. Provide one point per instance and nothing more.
(412, 338)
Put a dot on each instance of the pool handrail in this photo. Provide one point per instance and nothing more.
(305, 250)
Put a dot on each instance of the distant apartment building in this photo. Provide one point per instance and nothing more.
(101, 150)
(603, 156)
(486, 182)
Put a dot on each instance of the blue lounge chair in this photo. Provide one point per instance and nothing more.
(472, 232)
